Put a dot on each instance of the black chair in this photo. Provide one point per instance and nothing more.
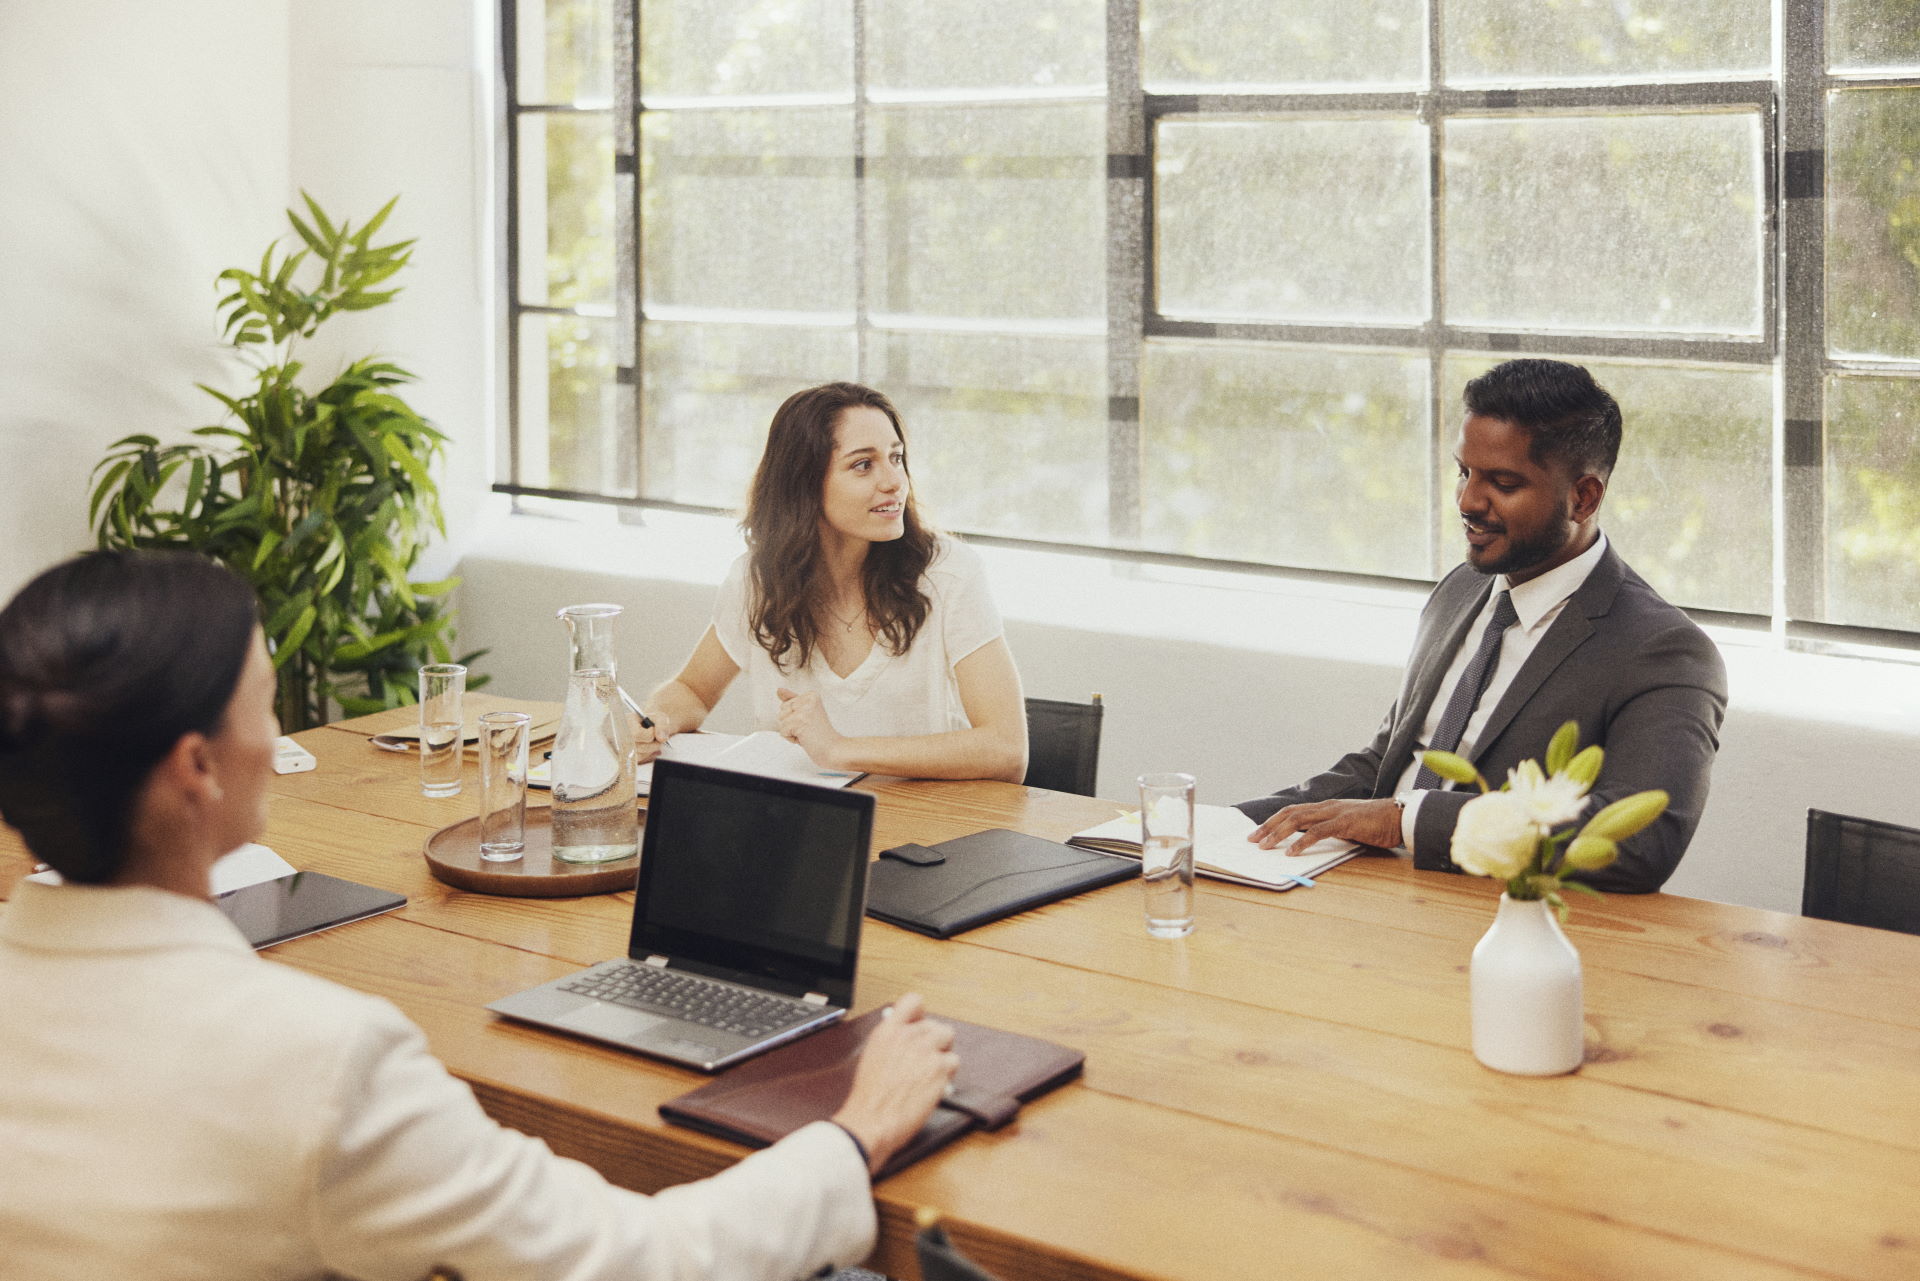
(1063, 744)
(1863, 872)
(939, 1259)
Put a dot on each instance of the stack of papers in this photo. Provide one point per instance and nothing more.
(251, 864)
(1221, 849)
(763, 752)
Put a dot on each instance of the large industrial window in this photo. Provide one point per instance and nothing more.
(1203, 278)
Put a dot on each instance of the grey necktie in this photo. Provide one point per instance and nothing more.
(1473, 683)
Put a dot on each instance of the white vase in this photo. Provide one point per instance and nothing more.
(1525, 980)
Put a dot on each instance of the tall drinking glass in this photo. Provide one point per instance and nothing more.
(1166, 853)
(443, 686)
(503, 785)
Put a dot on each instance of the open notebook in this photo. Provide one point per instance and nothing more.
(764, 753)
(1221, 849)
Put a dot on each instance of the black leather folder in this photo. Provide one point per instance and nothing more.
(951, 887)
(765, 1099)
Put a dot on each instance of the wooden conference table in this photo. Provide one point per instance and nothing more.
(1287, 1093)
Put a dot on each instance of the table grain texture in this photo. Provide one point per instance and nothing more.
(1287, 1093)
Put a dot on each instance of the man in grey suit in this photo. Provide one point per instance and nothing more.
(1543, 624)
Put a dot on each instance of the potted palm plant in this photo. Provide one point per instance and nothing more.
(322, 498)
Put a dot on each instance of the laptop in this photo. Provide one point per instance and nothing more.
(746, 922)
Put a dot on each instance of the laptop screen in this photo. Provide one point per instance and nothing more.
(759, 877)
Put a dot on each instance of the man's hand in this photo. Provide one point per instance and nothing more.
(903, 1071)
(804, 720)
(1363, 822)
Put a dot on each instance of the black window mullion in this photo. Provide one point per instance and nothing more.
(1802, 203)
(628, 400)
(509, 294)
(1129, 268)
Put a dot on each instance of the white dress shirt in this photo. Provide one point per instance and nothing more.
(173, 1106)
(1536, 603)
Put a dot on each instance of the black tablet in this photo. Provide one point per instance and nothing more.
(275, 911)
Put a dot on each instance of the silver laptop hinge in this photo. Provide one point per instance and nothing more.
(657, 962)
(815, 998)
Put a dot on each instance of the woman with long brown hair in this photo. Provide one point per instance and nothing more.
(866, 637)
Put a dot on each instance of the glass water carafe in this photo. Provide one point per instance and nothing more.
(595, 814)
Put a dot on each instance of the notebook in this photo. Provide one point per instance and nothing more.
(746, 922)
(1221, 849)
(768, 1099)
(762, 752)
(951, 887)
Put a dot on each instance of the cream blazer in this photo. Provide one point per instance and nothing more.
(174, 1106)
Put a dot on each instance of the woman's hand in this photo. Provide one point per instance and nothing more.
(803, 719)
(903, 1071)
(649, 740)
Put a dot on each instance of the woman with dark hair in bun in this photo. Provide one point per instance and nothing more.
(865, 637)
(173, 1106)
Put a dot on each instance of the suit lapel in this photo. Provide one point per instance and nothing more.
(1423, 681)
(1569, 631)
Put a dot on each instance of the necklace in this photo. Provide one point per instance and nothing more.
(847, 622)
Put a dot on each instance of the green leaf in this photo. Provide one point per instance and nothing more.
(373, 223)
(321, 221)
(364, 302)
(1560, 750)
(296, 637)
(1576, 886)
(196, 484)
(398, 451)
(107, 482)
(267, 545)
(307, 234)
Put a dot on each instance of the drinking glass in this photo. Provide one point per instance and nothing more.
(503, 785)
(442, 687)
(1166, 853)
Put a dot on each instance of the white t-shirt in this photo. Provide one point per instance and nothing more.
(888, 694)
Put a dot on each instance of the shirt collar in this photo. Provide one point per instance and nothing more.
(113, 918)
(1534, 599)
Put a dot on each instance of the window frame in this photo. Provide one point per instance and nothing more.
(1792, 344)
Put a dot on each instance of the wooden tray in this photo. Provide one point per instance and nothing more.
(453, 856)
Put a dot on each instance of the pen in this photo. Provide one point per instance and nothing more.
(646, 722)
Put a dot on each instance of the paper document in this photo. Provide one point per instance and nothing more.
(1221, 848)
(764, 752)
(251, 864)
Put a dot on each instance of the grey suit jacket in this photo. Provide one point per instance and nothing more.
(1638, 676)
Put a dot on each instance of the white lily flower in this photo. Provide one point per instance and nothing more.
(1550, 802)
(1495, 836)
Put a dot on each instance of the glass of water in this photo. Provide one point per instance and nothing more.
(442, 689)
(1166, 853)
(503, 785)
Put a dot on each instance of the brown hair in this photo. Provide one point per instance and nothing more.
(785, 606)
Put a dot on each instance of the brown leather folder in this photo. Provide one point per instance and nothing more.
(768, 1098)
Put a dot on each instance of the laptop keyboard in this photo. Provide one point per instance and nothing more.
(688, 996)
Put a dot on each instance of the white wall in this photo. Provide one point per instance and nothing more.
(143, 149)
(391, 99)
(146, 145)
(1307, 676)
